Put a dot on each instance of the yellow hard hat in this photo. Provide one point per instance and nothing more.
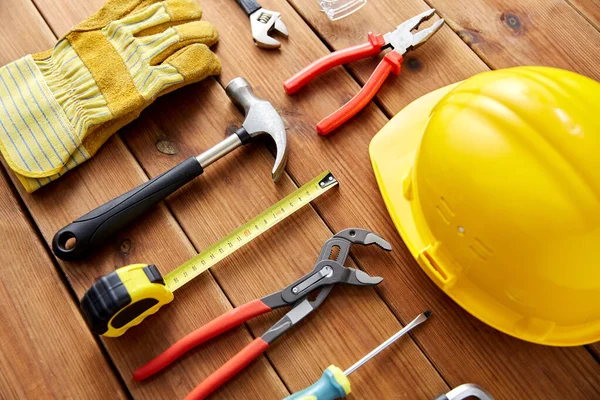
(494, 185)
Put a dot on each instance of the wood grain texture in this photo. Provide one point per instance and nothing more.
(41, 324)
(526, 32)
(113, 171)
(461, 347)
(590, 10)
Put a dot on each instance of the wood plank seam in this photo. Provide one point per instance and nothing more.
(594, 353)
(62, 276)
(583, 14)
(453, 26)
(42, 16)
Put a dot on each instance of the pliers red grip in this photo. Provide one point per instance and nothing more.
(340, 57)
(225, 322)
(400, 40)
(326, 273)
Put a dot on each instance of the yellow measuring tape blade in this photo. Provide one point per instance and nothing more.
(250, 230)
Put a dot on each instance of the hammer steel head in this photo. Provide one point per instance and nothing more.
(264, 22)
(261, 118)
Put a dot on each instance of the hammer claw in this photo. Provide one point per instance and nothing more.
(261, 119)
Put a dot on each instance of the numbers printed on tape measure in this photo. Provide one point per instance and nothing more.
(250, 230)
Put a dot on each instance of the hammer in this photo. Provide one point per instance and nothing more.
(89, 232)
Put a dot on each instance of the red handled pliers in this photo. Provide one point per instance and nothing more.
(328, 271)
(399, 40)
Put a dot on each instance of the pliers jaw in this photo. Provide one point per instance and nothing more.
(402, 39)
(327, 274)
(328, 271)
(338, 247)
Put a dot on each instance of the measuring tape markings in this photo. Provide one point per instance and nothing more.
(249, 231)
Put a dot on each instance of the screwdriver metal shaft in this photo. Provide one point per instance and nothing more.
(420, 319)
(334, 383)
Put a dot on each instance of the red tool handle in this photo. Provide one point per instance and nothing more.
(229, 369)
(390, 64)
(217, 326)
(336, 58)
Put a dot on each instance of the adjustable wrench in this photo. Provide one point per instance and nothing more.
(262, 23)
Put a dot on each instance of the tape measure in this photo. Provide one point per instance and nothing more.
(125, 297)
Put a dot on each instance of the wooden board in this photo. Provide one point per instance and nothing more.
(590, 9)
(526, 32)
(47, 349)
(41, 324)
(450, 349)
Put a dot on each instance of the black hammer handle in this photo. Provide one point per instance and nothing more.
(249, 6)
(91, 230)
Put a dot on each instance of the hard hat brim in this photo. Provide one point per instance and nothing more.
(393, 151)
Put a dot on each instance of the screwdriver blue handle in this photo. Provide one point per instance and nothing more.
(332, 385)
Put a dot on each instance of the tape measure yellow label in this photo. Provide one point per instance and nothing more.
(123, 298)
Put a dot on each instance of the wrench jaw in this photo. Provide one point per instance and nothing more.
(263, 22)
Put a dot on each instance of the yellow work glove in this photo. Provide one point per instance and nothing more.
(58, 107)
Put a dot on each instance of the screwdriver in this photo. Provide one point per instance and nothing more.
(334, 383)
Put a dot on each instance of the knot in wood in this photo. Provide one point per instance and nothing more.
(167, 146)
(414, 64)
(512, 21)
(125, 246)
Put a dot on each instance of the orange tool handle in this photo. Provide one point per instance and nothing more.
(229, 369)
(225, 322)
(336, 58)
(390, 64)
